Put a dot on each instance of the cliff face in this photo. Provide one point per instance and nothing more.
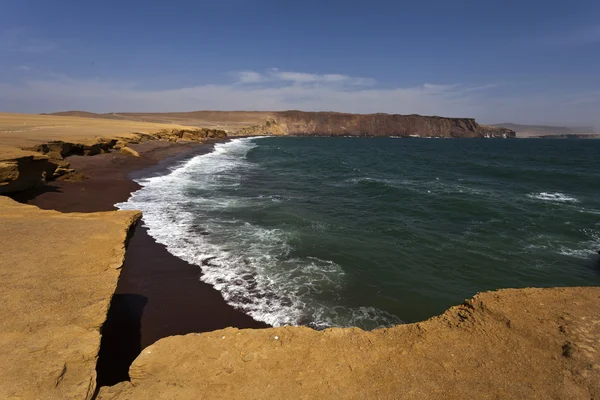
(496, 132)
(20, 170)
(298, 123)
(509, 344)
(57, 275)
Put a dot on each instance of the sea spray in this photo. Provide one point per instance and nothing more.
(372, 232)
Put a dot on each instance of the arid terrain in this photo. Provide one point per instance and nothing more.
(300, 123)
(27, 130)
(59, 271)
(537, 131)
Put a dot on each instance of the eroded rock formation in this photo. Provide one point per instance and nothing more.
(23, 169)
(20, 170)
(299, 123)
(193, 135)
(509, 344)
(57, 275)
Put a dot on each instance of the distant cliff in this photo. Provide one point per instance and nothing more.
(299, 123)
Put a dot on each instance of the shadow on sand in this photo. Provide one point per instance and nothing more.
(121, 339)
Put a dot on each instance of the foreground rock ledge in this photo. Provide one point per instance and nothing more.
(57, 275)
(509, 344)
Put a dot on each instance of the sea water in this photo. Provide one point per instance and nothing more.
(374, 232)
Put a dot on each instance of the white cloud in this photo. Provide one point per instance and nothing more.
(435, 88)
(275, 76)
(483, 87)
(328, 92)
(249, 77)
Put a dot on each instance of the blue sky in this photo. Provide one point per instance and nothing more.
(525, 61)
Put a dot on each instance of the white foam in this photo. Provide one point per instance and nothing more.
(580, 253)
(555, 197)
(250, 265)
(586, 248)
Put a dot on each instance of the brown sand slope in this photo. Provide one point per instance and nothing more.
(302, 123)
(57, 275)
(509, 344)
(21, 169)
(26, 130)
(226, 120)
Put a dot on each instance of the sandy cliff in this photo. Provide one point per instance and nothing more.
(303, 123)
(509, 344)
(20, 170)
(340, 124)
(33, 148)
(59, 271)
(57, 275)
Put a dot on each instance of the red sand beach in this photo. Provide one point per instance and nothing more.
(158, 294)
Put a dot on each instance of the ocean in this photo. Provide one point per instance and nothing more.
(336, 232)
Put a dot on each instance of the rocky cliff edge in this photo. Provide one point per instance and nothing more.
(508, 344)
(58, 273)
(300, 123)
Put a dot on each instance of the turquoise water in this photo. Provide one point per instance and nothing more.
(373, 232)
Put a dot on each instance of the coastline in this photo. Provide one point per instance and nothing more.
(158, 295)
(537, 343)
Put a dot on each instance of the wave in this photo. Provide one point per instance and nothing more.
(431, 186)
(555, 197)
(254, 267)
(584, 249)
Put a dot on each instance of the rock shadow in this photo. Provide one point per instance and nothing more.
(27, 195)
(121, 339)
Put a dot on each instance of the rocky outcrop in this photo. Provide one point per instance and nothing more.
(269, 127)
(509, 344)
(192, 135)
(299, 123)
(57, 151)
(20, 170)
(46, 161)
(488, 131)
(129, 152)
(57, 275)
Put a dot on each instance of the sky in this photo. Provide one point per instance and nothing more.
(526, 61)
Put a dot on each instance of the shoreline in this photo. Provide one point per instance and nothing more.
(509, 343)
(157, 295)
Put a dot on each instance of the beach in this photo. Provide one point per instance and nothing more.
(158, 294)
(95, 308)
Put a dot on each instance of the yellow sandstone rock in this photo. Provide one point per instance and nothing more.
(509, 344)
(128, 151)
(57, 275)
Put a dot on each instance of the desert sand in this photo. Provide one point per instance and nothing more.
(57, 275)
(27, 130)
(509, 344)
(58, 272)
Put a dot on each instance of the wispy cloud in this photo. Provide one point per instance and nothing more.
(275, 76)
(249, 77)
(483, 87)
(283, 90)
(250, 90)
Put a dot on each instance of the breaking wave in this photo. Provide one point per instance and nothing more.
(556, 197)
(253, 267)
